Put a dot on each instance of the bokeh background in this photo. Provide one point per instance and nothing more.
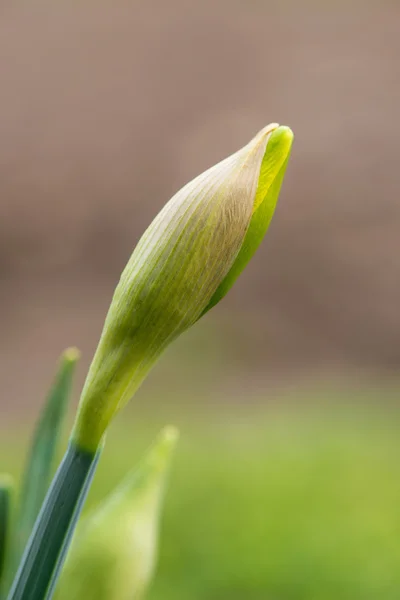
(286, 484)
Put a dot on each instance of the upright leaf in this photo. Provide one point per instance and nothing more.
(40, 461)
(48, 543)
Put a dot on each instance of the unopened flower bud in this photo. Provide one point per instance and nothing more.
(185, 262)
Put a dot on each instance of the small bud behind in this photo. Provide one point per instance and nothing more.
(114, 551)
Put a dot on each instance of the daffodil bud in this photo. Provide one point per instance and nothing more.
(185, 262)
(113, 553)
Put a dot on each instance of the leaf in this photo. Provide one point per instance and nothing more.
(47, 546)
(40, 461)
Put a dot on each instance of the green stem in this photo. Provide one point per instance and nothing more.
(46, 549)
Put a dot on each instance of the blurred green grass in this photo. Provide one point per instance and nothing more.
(297, 503)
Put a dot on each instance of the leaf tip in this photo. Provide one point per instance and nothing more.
(6, 481)
(71, 355)
(170, 435)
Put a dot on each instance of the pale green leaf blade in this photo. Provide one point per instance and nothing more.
(40, 461)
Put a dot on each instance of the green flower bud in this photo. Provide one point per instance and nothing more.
(113, 553)
(185, 262)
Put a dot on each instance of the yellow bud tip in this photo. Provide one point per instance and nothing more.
(285, 133)
(282, 138)
(71, 355)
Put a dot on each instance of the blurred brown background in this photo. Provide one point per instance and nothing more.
(107, 108)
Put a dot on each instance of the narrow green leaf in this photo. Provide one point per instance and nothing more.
(6, 485)
(45, 552)
(40, 461)
(114, 552)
